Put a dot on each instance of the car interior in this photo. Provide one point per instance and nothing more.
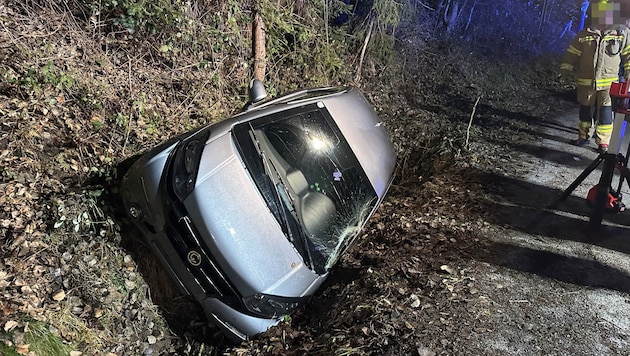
(314, 209)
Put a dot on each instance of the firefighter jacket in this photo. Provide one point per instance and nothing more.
(596, 56)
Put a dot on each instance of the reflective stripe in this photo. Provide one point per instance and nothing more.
(588, 39)
(605, 83)
(610, 37)
(569, 67)
(626, 50)
(574, 50)
(585, 125)
(606, 80)
(584, 82)
(604, 128)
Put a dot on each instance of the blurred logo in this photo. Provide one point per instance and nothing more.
(194, 258)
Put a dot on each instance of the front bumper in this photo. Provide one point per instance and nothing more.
(172, 239)
(235, 325)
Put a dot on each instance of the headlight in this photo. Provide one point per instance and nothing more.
(271, 306)
(186, 163)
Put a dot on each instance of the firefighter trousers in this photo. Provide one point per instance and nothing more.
(595, 107)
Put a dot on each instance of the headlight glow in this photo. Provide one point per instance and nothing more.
(319, 144)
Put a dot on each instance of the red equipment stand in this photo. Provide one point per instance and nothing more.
(601, 197)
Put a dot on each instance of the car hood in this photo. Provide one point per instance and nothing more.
(239, 229)
(362, 128)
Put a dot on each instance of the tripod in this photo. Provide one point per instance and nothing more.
(612, 160)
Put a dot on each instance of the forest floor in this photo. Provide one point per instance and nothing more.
(484, 259)
(464, 256)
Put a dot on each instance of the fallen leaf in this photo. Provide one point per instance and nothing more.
(10, 325)
(22, 349)
(59, 295)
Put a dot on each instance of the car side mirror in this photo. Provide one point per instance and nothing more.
(257, 91)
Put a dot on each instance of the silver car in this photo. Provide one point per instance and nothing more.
(249, 215)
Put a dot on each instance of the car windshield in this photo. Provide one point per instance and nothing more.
(311, 180)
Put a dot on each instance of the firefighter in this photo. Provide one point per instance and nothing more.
(595, 55)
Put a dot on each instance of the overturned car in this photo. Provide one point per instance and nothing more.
(249, 215)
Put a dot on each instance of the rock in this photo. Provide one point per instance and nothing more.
(128, 261)
(415, 301)
(129, 285)
(447, 269)
(424, 351)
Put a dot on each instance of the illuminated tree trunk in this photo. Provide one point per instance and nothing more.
(451, 12)
(357, 77)
(470, 14)
(258, 34)
(543, 14)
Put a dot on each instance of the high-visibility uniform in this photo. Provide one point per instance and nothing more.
(596, 56)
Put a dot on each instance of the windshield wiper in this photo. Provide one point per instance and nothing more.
(284, 195)
(281, 189)
(276, 199)
(283, 201)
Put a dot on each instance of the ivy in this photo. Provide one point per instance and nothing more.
(141, 15)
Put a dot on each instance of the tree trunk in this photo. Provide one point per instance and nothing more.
(258, 34)
(450, 15)
(357, 77)
(470, 15)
